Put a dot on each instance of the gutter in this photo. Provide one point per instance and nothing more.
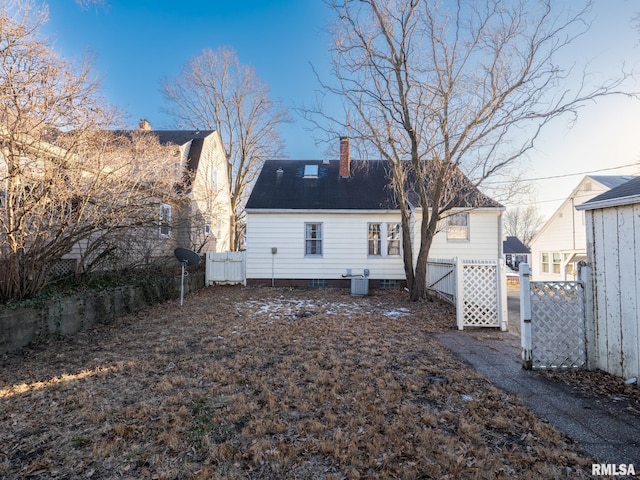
(611, 202)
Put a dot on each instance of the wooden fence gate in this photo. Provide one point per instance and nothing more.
(477, 288)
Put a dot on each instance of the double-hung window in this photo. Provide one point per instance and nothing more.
(551, 262)
(458, 227)
(164, 227)
(313, 239)
(375, 239)
(393, 239)
(389, 233)
(557, 262)
(545, 262)
(214, 181)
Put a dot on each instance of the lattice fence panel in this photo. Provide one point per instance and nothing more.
(63, 268)
(557, 325)
(480, 302)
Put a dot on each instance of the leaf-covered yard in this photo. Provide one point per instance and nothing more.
(268, 383)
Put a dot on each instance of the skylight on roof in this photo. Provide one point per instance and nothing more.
(311, 171)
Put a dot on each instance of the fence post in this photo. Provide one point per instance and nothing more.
(503, 314)
(459, 271)
(525, 316)
(591, 350)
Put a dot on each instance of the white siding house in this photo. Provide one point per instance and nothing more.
(613, 249)
(308, 224)
(205, 221)
(561, 242)
(201, 221)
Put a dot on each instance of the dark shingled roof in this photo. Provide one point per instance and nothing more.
(181, 137)
(282, 186)
(514, 245)
(178, 137)
(627, 189)
(612, 181)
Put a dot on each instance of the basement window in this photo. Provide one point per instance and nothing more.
(386, 283)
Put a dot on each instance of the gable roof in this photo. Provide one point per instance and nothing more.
(182, 137)
(624, 194)
(611, 181)
(607, 181)
(283, 185)
(514, 245)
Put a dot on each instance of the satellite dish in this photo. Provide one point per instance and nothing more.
(187, 258)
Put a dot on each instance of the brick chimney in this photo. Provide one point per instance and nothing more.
(144, 125)
(345, 158)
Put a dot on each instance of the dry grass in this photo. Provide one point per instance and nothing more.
(268, 383)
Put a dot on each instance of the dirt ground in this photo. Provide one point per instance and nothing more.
(262, 383)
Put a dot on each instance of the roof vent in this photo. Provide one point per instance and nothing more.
(310, 171)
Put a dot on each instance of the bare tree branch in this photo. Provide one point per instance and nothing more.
(450, 94)
(66, 185)
(215, 91)
(522, 222)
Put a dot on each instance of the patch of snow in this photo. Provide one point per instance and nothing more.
(398, 312)
(290, 309)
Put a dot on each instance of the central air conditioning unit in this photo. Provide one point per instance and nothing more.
(359, 284)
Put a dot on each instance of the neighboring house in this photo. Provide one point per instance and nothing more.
(310, 223)
(515, 252)
(204, 224)
(200, 223)
(613, 251)
(561, 242)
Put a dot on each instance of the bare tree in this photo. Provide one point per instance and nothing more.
(65, 184)
(215, 91)
(450, 94)
(522, 222)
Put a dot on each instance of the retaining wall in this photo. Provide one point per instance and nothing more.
(66, 315)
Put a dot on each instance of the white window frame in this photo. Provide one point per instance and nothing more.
(313, 235)
(374, 239)
(394, 235)
(214, 180)
(458, 227)
(545, 262)
(556, 263)
(389, 232)
(164, 221)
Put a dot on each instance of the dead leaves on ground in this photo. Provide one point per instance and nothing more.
(268, 383)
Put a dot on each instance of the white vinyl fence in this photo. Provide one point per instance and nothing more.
(553, 318)
(226, 267)
(477, 288)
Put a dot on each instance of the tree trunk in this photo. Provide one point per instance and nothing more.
(419, 290)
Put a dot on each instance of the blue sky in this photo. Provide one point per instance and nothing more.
(137, 43)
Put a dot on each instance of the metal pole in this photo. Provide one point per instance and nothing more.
(526, 341)
(182, 285)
